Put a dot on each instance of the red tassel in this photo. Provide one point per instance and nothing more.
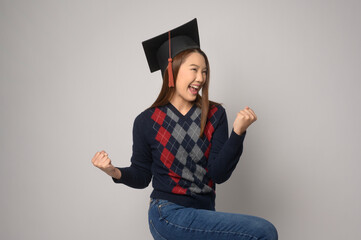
(170, 69)
(170, 73)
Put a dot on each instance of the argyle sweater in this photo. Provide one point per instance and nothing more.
(184, 167)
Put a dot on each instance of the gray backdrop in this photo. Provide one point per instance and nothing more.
(74, 76)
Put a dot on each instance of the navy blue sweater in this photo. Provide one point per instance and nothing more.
(185, 168)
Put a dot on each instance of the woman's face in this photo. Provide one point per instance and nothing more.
(190, 79)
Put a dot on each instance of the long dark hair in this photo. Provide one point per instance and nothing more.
(166, 93)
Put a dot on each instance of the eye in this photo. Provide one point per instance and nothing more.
(194, 69)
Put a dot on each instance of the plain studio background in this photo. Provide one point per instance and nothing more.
(74, 76)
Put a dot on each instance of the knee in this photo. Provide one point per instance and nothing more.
(267, 230)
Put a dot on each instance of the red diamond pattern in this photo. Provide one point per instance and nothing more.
(207, 151)
(208, 131)
(212, 111)
(163, 136)
(158, 116)
(179, 190)
(210, 183)
(167, 158)
(174, 176)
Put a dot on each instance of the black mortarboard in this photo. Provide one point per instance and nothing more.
(177, 40)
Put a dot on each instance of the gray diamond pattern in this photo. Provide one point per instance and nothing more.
(172, 115)
(187, 174)
(200, 172)
(185, 155)
(194, 131)
(179, 133)
(196, 154)
(196, 113)
(194, 188)
(206, 189)
(182, 155)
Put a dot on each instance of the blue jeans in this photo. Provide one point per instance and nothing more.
(171, 221)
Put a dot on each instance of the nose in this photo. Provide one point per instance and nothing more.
(201, 77)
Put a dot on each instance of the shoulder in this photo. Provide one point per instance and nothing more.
(143, 117)
(216, 110)
(152, 113)
(142, 124)
(217, 106)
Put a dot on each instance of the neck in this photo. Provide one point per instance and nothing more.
(182, 106)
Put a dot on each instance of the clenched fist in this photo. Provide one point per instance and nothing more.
(102, 161)
(243, 120)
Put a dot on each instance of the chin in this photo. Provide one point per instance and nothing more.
(191, 99)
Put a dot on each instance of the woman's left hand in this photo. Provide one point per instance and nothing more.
(243, 120)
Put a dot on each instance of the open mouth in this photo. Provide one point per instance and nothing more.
(194, 89)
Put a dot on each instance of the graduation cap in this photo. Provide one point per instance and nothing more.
(160, 50)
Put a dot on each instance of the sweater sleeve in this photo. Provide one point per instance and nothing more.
(138, 175)
(225, 151)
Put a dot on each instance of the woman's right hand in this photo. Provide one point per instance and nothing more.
(103, 162)
(243, 120)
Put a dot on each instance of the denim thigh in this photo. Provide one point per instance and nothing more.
(168, 220)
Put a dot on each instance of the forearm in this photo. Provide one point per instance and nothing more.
(134, 176)
(222, 164)
(115, 173)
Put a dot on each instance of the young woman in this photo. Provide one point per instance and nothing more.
(182, 142)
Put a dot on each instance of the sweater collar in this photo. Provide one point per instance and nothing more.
(178, 113)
